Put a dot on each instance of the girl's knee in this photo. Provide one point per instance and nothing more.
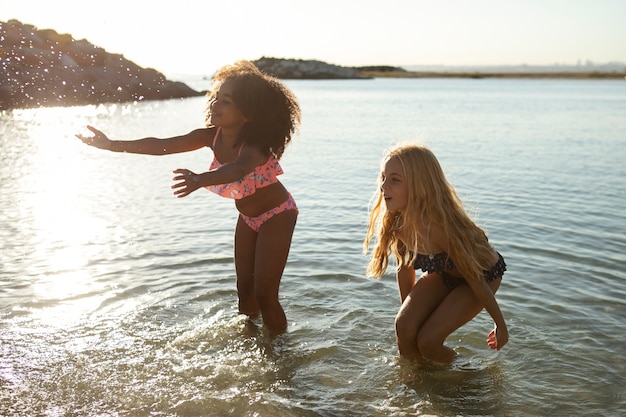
(405, 329)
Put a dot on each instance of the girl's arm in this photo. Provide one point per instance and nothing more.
(193, 140)
(483, 293)
(406, 280)
(499, 336)
(188, 182)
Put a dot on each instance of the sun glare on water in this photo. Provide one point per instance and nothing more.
(65, 229)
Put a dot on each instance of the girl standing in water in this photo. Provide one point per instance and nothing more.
(250, 120)
(419, 218)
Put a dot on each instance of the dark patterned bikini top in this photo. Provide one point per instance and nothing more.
(434, 262)
(441, 262)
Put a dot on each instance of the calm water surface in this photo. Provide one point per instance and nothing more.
(117, 299)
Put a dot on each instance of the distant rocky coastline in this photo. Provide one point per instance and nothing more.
(40, 67)
(300, 69)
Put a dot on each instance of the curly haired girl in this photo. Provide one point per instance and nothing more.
(250, 120)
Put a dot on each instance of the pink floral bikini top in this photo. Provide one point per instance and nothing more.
(262, 176)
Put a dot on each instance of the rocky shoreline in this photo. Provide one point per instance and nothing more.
(299, 69)
(40, 67)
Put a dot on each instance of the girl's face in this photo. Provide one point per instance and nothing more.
(223, 110)
(393, 186)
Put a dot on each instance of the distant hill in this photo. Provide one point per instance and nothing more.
(40, 67)
(305, 69)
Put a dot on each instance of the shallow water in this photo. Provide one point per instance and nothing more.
(117, 299)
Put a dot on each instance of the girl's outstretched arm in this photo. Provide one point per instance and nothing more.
(193, 140)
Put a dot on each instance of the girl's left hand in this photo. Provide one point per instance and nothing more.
(497, 338)
(188, 182)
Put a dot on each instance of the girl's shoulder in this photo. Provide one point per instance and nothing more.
(206, 135)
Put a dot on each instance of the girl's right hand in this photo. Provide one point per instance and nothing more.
(99, 139)
(497, 338)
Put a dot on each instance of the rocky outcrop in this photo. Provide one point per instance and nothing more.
(381, 69)
(46, 68)
(305, 69)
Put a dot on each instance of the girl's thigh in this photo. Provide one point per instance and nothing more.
(425, 297)
(456, 309)
(273, 243)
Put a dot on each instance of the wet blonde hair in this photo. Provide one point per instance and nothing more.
(430, 199)
(271, 109)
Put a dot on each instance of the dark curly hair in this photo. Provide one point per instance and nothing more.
(272, 110)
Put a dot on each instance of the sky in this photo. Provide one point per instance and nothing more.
(197, 37)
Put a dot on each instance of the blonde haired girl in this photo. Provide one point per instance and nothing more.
(419, 218)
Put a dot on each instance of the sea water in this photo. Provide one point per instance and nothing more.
(117, 299)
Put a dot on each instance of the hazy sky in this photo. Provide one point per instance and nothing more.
(197, 37)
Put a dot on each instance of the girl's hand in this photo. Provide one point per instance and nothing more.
(188, 182)
(99, 139)
(497, 338)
